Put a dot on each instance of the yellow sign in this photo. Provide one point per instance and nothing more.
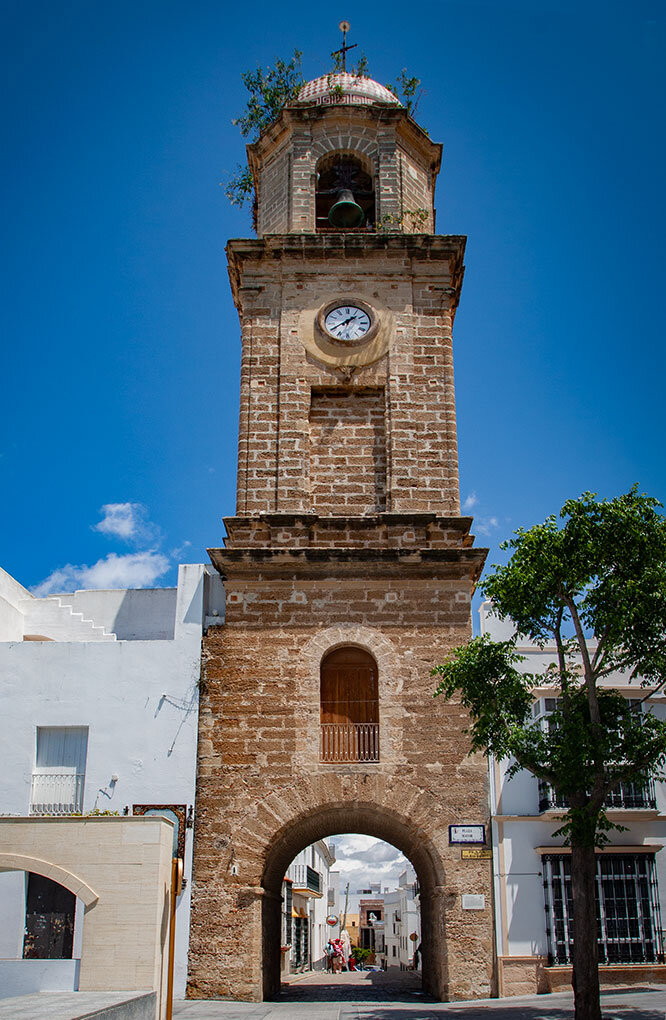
(476, 853)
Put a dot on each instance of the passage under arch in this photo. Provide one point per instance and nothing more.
(349, 706)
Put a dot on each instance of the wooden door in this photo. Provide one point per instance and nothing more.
(349, 690)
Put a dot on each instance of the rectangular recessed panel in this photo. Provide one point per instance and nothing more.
(347, 451)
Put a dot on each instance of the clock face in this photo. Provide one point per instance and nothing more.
(347, 323)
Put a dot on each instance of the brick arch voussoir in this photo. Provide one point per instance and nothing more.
(346, 146)
(370, 640)
(391, 808)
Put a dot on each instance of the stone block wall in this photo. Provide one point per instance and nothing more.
(401, 159)
(274, 193)
(414, 285)
(121, 869)
(263, 792)
(347, 450)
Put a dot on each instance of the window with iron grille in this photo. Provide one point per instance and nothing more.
(625, 795)
(628, 917)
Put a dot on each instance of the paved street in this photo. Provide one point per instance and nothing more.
(396, 996)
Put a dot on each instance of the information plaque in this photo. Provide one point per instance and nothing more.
(473, 901)
(476, 853)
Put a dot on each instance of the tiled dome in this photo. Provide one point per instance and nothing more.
(345, 88)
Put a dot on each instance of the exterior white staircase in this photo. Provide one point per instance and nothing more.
(49, 618)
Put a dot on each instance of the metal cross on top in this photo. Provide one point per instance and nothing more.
(344, 28)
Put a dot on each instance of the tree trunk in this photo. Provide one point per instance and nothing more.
(585, 978)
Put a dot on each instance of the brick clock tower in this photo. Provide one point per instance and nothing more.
(348, 569)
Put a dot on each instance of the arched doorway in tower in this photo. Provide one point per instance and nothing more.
(394, 908)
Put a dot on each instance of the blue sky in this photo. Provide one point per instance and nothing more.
(120, 341)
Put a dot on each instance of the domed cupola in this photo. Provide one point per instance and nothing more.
(345, 88)
(344, 156)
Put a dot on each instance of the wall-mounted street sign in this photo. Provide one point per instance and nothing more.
(332, 919)
(476, 853)
(467, 834)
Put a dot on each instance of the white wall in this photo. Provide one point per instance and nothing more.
(131, 614)
(11, 618)
(139, 700)
(317, 856)
(518, 827)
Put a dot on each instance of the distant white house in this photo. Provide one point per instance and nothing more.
(531, 864)
(402, 922)
(306, 896)
(100, 713)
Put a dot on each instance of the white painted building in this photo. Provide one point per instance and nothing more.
(531, 864)
(309, 876)
(100, 713)
(402, 922)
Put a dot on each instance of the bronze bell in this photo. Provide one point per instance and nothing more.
(345, 212)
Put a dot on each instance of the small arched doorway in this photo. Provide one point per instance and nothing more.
(349, 706)
(370, 820)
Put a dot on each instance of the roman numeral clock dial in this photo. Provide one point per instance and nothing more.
(347, 323)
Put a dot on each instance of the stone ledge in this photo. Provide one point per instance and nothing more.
(259, 563)
(307, 248)
(558, 978)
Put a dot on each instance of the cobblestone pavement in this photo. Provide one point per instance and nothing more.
(397, 996)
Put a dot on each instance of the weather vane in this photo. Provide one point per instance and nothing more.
(344, 28)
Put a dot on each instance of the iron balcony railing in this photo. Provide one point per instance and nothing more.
(349, 742)
(56, 793)
(626, 795)
(305, 877)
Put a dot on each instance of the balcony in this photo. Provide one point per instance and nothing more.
(626, 795)
(306, 880)
(349, 742)
(56, 793)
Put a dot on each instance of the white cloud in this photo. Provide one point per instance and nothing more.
(127, 521)
(485, 525)
(134, 570)
(471, 501)
(362, 860)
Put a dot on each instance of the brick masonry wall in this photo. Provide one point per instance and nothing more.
(274, 198)
(347, 534)
(263, 793)
(278, 376)
(402, 170)
(347, 450)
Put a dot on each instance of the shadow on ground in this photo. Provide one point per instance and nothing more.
(364, 986)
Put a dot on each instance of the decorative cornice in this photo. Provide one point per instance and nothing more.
(264, 563)
(276, 248)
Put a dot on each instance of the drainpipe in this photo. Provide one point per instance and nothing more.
(176, 889)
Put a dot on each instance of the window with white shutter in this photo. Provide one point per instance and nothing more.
(59, 772)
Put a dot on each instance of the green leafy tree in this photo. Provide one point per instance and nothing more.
(405, 90)
(270, 89)
(600, 570)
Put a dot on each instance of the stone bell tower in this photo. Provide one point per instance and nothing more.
(348, 569)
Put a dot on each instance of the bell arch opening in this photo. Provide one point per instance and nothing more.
(349, 706)
(344, 194)
(369, 820)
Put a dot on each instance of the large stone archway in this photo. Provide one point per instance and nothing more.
(243, 856)
(371, 819)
